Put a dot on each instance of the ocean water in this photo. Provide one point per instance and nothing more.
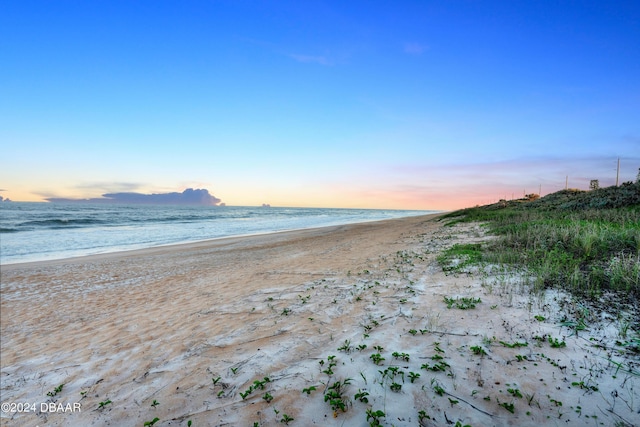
(47, 231)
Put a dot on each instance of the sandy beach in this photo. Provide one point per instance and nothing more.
(335, 326)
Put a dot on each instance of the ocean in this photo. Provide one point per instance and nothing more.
(48, 231)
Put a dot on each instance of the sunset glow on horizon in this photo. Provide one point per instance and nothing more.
(412, 105)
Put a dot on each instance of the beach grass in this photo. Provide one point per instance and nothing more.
(587, 243)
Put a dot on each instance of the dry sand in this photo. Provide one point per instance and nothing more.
(196, 327)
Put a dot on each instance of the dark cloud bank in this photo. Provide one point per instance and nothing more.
(187, 197)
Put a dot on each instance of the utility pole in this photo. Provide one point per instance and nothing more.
(618, 171)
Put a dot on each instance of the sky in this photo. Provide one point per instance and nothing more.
(355, 104)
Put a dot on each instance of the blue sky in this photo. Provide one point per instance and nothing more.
(405, 104)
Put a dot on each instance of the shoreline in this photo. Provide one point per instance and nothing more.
(206, 240)
(232, 333)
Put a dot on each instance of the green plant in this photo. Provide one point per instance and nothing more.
(514, 345)
(155, 403)
(330, 365)
(396, 387)
(346, 347)
(556, 344)
(413, 376)
(555, 402)
(55, 390)
(335, 395)
(515, 392)
(422, 415)
(377, 358)
(435, 385)
(508, 406)
(361, 395)
(308, 390)
(374, 416)
(152, 422)
(103, 404)
(402, 356)
(286, 419)
(460, 256)
(476, 349)
(463, 303)
(439, 366)
(582, 242)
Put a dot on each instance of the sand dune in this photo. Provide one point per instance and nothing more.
(230, 332)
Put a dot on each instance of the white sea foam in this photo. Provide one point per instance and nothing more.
(47, 231)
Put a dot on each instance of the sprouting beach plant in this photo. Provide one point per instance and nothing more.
(152, 422)
(101, 405)
(515, 392)
(335, 395)
(440, 366)
(373, 417)
(155, 403)
(305, 299)
(308, 390)
(401, 356)
(286, 419)
(377, 358)
(422, 416)
(413, 376)
(435, 385)
(476, 349)
(332, 362)
(55, 390)
(508, 406)
(514, 345)
(361, 395)
(346, 347)
(556, 344)
(463, 303)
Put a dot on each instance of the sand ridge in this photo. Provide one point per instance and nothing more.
(230, 332)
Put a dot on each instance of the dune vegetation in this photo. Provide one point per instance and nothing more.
(584, 242)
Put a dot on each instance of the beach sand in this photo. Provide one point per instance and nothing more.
(230, 332)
